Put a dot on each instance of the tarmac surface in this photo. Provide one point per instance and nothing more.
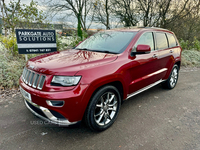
(157, 119)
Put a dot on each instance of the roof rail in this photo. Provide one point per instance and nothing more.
(139, 27)
(155, 28)
(131, 27)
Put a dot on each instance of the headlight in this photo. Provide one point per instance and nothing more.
(66, 80)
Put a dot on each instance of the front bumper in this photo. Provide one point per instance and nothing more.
(46, 114)
(70, 113)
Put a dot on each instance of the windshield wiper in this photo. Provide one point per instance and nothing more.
(104, 51)
(96, 50)
(81, 48)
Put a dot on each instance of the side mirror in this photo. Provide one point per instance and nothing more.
(141, 49)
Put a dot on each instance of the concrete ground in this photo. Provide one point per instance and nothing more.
(157, 119)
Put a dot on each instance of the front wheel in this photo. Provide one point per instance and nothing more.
(103, 108)
(171, 82)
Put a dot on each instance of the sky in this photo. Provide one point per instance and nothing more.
(71, 21)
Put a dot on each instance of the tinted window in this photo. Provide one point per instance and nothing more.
(110, 41)
(161, 41)
(147, 39)
(171, 39)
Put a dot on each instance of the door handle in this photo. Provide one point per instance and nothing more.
(171, 51)
(155, 56)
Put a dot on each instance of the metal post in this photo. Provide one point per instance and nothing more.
(26, 58)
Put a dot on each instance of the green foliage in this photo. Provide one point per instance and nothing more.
(196, 44)
(184, 44)
(193, 45)
(75, 40)
(190, 58)
(10, 43)
(10, 69)
(85, 35)
(58, 42)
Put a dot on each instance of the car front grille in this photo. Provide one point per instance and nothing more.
(33, 79)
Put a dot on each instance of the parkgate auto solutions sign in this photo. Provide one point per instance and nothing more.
(36, 41)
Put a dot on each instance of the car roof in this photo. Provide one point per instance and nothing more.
(137, 29)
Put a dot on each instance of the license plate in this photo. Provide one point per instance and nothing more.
(26, 95)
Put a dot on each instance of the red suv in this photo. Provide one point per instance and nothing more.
(90, 81)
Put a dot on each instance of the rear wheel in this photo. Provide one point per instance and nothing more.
(103, 108)
(171, 82)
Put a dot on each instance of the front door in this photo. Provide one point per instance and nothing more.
(144, 66)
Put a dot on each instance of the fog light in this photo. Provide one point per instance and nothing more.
(55, 103)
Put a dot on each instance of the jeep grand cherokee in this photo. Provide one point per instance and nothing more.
(90, 81)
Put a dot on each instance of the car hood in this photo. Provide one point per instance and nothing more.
(68, 62)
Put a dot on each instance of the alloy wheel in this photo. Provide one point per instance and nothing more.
(174, 77)
(106, 108)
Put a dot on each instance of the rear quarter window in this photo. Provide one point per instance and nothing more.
(172, 40)
(161, 41)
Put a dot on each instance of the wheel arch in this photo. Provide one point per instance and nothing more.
(116, 84)
(93, 88)
(170, 69)
(179, 64)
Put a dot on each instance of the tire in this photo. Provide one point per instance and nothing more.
(103, 108)
(171, 82)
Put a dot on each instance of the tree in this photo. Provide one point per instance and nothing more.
(148, 12)
(163, 12)
(103, 11)
(187, 26)
(9, 14)
(126, 11)
(17, 15)
(172, 10)
(80, 9)
(29, 14)
(79, 31)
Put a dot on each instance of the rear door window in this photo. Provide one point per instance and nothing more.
(161, 41)
(171, 39)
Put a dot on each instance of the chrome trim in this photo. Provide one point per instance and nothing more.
(50, 103)
(50, 117)
(35, 82)
(144, 89)
(25, 75)
(41, 82)
(32, 67)
(32, 78)
(28, 76)
(149, 75)
(157, 72)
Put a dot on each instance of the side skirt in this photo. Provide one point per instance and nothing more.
(144, 89)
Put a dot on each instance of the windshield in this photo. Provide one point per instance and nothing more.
(107, 41)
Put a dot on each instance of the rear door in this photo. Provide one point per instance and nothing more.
(165, 43)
